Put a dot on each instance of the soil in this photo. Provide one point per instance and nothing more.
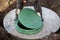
(51, 4)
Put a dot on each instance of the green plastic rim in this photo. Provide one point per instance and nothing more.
(27, 32)
(29, 18)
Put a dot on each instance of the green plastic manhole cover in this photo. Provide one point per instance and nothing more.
(22, 30)
(28, 22)
(29, 18)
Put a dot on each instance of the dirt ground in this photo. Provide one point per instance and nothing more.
(6, 7)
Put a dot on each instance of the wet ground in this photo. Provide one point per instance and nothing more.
(51, 4)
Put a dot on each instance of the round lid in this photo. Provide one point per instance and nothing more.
(21, 29)
(29, 18)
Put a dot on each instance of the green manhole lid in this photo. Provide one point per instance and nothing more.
(25, 31)
(29, 18)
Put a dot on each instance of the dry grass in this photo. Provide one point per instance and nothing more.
(5, 4)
